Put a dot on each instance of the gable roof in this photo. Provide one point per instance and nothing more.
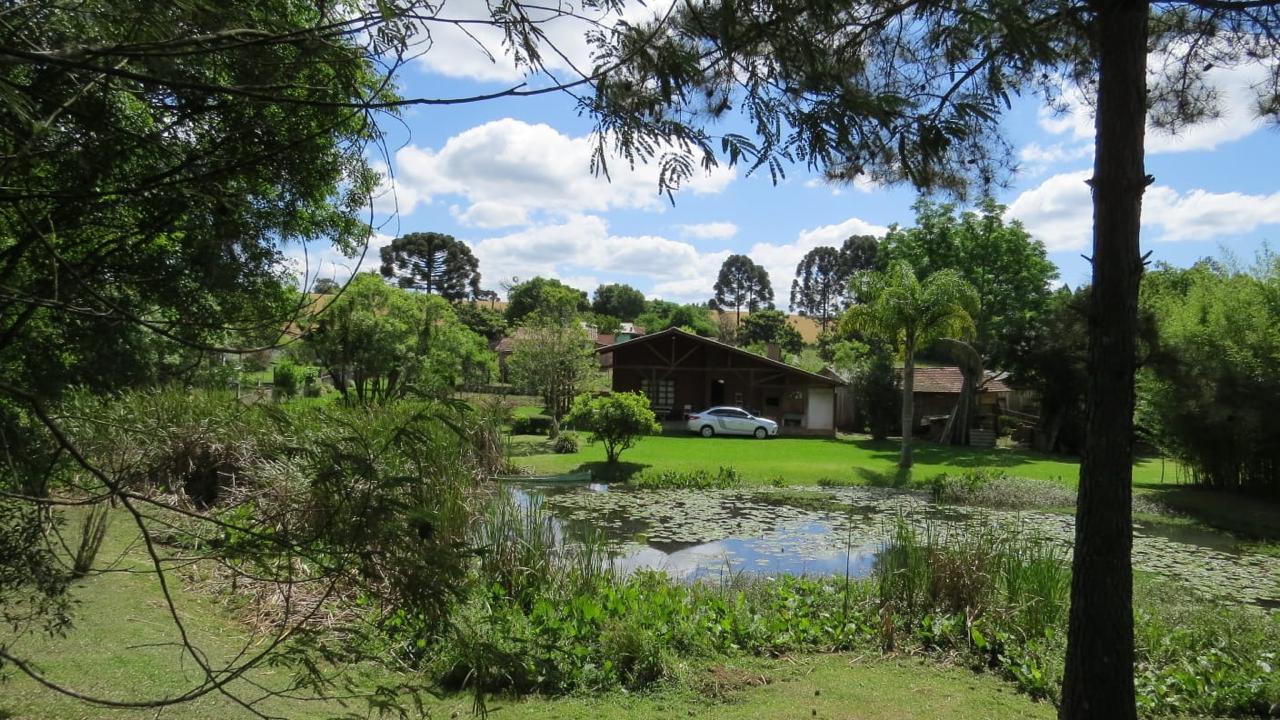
(948, 380)
(677, 332)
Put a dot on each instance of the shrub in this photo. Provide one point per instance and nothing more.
(565, 444)
(531, 425)
(285, 378)
(617, 420)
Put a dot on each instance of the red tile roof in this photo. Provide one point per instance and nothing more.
(948, 380)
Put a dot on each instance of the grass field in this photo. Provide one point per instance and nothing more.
(805, 461)
(123, 648)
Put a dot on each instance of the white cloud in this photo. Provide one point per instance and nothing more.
(582, 245)
(781, 260)
(1037, 157)
(1060, 212)
(582, 248)
(486, 214)
(708, 230)
(1201, 215)
(321, 260)
(475, 51)
(508, 169)
(1237, 102)
(861, 183)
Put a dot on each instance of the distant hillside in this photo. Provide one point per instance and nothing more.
(809, 327)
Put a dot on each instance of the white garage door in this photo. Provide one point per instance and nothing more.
(820, 415)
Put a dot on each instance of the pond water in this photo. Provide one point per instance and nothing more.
(700, 533)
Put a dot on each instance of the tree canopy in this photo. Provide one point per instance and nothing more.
(1211, 385)
(661, 315)
(771, 326)
(377, 342)
(433, 263)
(1005, 265)
(616, 420)
(742, 285)
(547, 297)
(555, 360)
(617, 300)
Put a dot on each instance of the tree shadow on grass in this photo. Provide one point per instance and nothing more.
(930, 453)
(1246, 515)
(606, 472)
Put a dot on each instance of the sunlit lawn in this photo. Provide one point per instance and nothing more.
(805, 461)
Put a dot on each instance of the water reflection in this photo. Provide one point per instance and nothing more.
(785, 546)
(706, 533)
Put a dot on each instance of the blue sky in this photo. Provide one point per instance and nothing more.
(511, 179)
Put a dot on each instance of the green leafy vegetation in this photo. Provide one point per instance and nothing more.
(617, 420)
(724, 477)
(1209, 392)
(909, 314)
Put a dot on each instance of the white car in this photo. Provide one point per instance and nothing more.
(731, 421)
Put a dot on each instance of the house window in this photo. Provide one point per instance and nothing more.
(662, 394)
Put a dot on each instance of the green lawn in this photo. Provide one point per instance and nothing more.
(805, 461)
(122, 648)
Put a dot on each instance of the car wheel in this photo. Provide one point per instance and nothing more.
(761, 433)
(707, 431)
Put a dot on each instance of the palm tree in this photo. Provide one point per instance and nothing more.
(898, 307)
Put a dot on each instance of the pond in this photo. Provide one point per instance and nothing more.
(699, 533)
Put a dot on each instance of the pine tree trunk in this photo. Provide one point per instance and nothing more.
(1098, 681)
(908, 406)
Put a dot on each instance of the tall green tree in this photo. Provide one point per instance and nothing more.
(742, 284)
(378, 341)
(617, 300)
(1053, 360)
(1008, 268)
(1211, 383)
(859, 253)
(555, 360)
(910, 314)
(547, 297)
(915, 92)
(820, 284)
(433, 263)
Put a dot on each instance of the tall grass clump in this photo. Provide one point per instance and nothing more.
(524, 552)
(997, 593)
(93, 530)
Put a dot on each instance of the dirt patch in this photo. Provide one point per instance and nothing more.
(721, 682)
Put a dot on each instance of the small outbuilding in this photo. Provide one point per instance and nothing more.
(683, 373)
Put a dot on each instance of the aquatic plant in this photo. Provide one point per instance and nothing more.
(700, 479)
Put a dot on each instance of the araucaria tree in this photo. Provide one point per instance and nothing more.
(822, 277)
(434, 263)
(742, 284)
(820, 284)
(910, 314)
